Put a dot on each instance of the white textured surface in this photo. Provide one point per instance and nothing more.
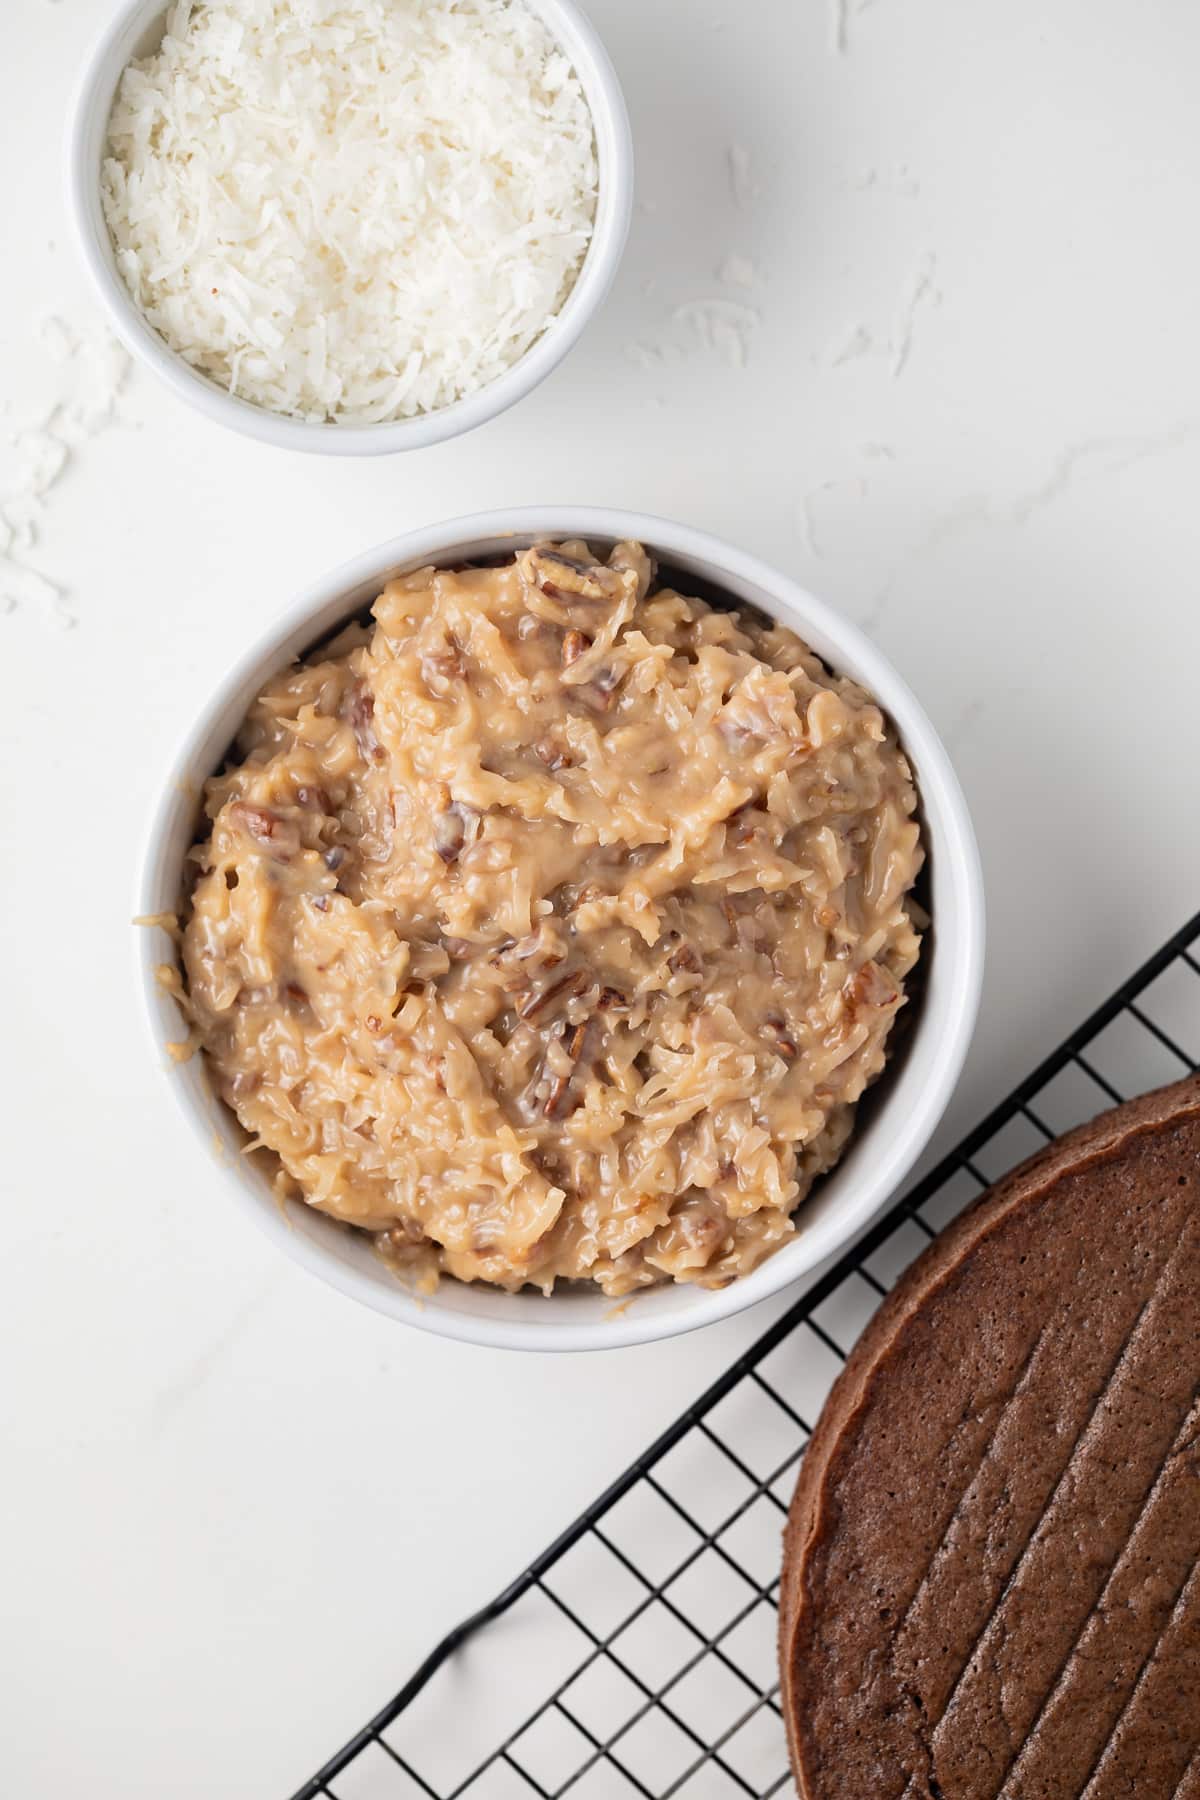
(238, 1508)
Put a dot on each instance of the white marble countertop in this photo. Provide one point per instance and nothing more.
(238, 1508)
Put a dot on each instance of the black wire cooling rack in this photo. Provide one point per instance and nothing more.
(636, 1656)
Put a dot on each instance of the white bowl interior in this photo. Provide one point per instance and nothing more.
(903, 1110)
(137, 30)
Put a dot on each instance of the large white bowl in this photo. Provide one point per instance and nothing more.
(905, 1106)
(136, 29)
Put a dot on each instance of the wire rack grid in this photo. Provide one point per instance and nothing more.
(636, 1656)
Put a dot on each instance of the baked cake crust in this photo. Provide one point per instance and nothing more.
(990, 1583)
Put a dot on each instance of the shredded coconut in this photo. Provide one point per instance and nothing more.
(741, 180)
(737, 271)
(853, 342)
(91, 371)
(723, 325)
(351, 209)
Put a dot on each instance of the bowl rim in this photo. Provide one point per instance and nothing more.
(960, 937)
(87, 120)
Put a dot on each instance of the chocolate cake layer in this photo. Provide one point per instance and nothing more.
(990, 1586)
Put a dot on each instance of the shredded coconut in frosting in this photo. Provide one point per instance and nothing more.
(352, 210)
(551, 927)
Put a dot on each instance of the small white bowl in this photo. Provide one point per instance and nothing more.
(136, 29)
(910, 1096)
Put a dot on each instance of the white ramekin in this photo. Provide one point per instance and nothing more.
(134, 30)
(911, 1095)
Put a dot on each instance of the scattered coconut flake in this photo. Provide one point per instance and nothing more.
(102, 367)
(841, 12)
(58, 338)
(737, 271)
(21, 585)
(920, 290)
(723, 325)
(854, 342)
(41, 459)
(354, 210)
(741, 181)
(82, 404)
(22, 517)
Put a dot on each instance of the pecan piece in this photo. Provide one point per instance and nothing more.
(600, 693)
(278, 836)
(553, 755)
(544, 945)
(562, 578)
(684, 961)
(441, 667)
(574, 644)
(873, 986)
(314, 798)
(450, 830)
(535, 1004)
(361, 714)
(556, 1106)
(785, 1043)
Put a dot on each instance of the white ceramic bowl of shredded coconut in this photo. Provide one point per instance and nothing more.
(331, 262)
(897, 1117)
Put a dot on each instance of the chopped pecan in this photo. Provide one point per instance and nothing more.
(600, 693)
(684, 961)
(784, 1041)
(611, 999)
(556, 1106)
(553, 755)
(873, 986)
(315, 798)
(574, 645)
(562, 578)
(544, 944)
(278, 836)
(441, 667)
(361, 714)
(535, 1004)
(450, 830)
(583, 896)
